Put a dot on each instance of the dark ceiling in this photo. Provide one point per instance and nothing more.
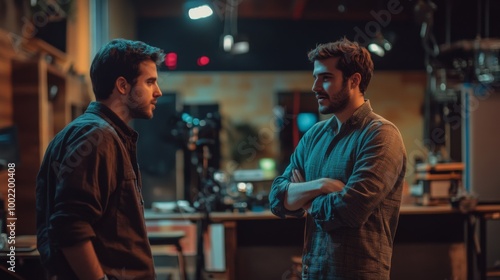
(281, 32)
(277, 9)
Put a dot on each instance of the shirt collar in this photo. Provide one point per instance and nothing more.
(360, 114)
(106, 113)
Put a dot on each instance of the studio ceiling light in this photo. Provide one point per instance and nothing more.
(227, 42)
(379, 45)
(230, 40)
(240, 45)
(200, 12)
(198, 9)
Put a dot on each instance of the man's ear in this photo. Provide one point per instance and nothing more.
(355, 80)
(122, 85)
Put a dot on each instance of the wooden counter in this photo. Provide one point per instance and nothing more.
(265, 215)
(442, 223)
(249, 230)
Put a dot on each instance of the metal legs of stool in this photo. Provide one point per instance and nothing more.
(171, 238)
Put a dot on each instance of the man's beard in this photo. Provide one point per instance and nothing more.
(338, 104)
(137, 110)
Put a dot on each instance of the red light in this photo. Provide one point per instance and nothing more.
(171, 60)
(203, 60)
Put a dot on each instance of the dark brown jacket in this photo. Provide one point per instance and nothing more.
(89, 187)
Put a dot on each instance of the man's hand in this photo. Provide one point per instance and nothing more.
(300, 193)
(331, 185)
(297, 177)
(327, 185)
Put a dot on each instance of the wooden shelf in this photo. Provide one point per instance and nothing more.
(437, 177)
(44, 98)
(440, 167)
(493, 272)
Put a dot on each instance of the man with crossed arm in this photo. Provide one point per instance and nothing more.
(346, 173)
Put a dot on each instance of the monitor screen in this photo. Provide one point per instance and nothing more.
(306, 120)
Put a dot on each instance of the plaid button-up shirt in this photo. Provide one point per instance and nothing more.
(349, 234)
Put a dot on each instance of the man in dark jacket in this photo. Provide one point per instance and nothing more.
(90, 221)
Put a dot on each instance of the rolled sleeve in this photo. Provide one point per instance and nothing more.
(323, 210)
(280, 185)
(277, 199)
(65, 235)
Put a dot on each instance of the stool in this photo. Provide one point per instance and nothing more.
(171, 238)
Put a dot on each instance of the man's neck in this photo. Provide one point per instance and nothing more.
(349, 110)
(118, 107)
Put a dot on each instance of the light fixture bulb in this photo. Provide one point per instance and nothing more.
(376, 49)
(387, 45)
(227, 42)
(241, 47)
(202, 11)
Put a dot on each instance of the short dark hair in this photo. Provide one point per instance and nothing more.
(353, 58)
(120, 58)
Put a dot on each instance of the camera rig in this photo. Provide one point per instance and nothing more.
(199, 138)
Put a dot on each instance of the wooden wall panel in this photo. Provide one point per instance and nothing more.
(26, 87)
(5, 109)
(38, 117)
(5, 93)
